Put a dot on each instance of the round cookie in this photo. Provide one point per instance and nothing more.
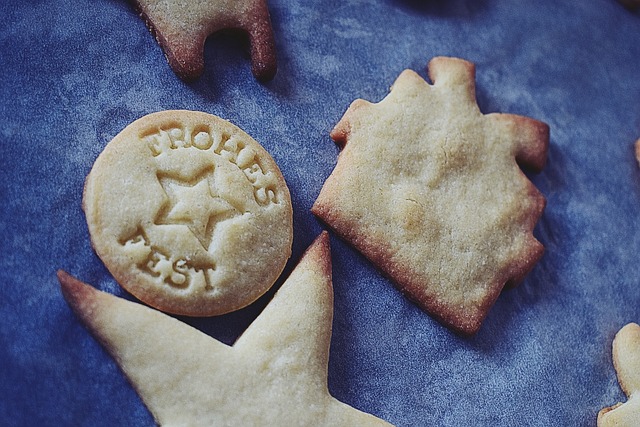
(189, 213)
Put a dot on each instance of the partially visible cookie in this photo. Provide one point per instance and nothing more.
(189, 213)
(431, 191)
(182, 27)
(274, 375)
(630, 4)
(626, 361)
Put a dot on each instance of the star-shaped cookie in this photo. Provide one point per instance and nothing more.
(626, 360)
(274, 375)
(431, 191)
(182, 27)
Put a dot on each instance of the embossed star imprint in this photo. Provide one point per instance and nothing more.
(626, 360)
(182, 27)
(430, 190)
(274, 375)
(189, 213)
(195, 205)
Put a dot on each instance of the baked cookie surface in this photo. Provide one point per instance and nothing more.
(274, 375)
(181, 28)
(189, 213)
(626, 361)
(431, 191)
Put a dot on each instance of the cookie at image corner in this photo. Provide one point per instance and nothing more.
(626, 361)
(189, 213)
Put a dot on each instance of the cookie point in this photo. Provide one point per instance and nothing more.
(264, 72)
(321, 243)
(452, 72)
(74, 291)
(68, 283)
(319, 252)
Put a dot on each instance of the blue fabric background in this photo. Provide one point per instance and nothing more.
(75, 73)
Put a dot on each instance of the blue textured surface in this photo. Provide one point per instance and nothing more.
(75, 73)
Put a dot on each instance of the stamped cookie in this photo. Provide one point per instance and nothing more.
(430, 190)
(626, 361)
(181, 28)
(274, 375)
(189, 213)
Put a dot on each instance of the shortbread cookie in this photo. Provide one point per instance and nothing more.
(189, 213)
(274, 375)
(626, 361)
(430, 190)
(182, 27)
